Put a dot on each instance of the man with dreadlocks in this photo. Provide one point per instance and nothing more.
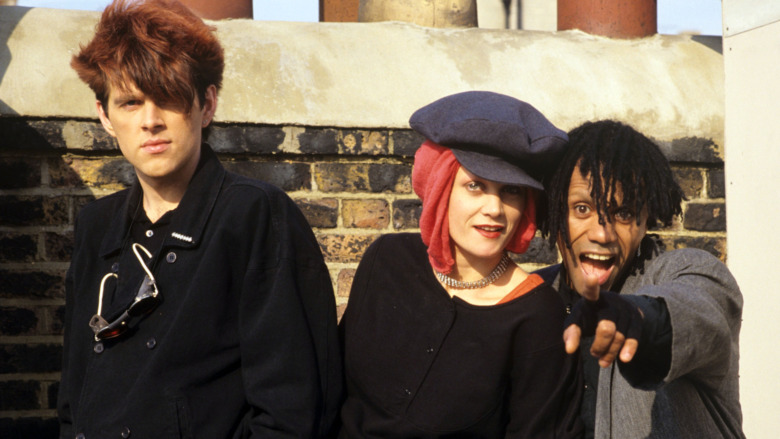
(672, 319)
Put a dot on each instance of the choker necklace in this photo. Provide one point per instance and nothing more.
(485, 281)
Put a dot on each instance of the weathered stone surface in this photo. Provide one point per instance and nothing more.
(539, 252)
(245, 138)
(716, 183)
(87, 135)
(340, 310)
(344, 248)
(17, 172)
(319, 141)
(62, 174)
(320, 213)
(369, 214)
(287, 176)
(406, 214)
(714, 245)
(33, 210)
(18, 247)
(344, 282)
(341, 177)
(705, 217)
(360, 177)
(27, 134)
(114, 173)
(30, 358)
(81, 201)
(29, 427)
(59, 247)
(339, 78)
(16, 321)
(406, 142)
(32, 284)
(19, 395)
(57, 320)
(111, 174)
(390, 178)
(52, 392)
(364, 142)
(691, 181)
(675, 226)
(691, 149)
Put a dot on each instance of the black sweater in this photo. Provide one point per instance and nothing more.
(421, 364)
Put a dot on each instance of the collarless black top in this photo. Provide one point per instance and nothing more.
(422, 364)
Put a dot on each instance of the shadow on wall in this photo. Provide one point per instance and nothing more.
(712, 42)
(9, 19)
(47, 172)
(41, 192)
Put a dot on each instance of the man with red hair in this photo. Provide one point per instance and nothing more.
(198, 303)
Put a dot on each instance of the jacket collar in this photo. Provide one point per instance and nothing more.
(189, 218)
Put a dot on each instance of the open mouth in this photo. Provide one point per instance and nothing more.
(600, 266)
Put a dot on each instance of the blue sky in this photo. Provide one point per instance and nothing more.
(674, 16)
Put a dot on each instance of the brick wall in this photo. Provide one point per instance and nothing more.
(352, 185)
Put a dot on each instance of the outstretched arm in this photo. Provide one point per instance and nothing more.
(614, 323)
(686, 299)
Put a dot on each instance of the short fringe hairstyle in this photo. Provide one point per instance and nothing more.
(158, 46)
(614, 155)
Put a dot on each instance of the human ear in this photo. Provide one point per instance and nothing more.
(209, 105)
(104, 119)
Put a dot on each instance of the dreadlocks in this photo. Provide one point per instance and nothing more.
(614, 156)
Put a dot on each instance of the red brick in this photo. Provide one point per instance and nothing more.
(366, 214)
(344, 282)
(320, 213)
(344, 248)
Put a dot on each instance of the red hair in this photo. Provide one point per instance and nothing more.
(433, 175)
(159, 46)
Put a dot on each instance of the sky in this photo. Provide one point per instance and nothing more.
(674, 16)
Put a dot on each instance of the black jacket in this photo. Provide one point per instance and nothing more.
(244, 343)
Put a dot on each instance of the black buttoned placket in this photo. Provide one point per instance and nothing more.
(149, 234)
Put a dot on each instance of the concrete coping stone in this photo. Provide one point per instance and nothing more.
(374, 75)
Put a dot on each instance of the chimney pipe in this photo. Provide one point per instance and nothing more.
(339, 10)
(610, 18)
(431, 13)
(220, 10)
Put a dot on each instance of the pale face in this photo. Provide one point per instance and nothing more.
(601, 250)
(161, 142)
(483, 217)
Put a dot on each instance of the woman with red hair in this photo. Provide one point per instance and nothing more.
(444, 335)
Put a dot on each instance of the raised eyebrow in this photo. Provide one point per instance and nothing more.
(580, 197)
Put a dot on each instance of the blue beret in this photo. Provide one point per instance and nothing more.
(494, 136)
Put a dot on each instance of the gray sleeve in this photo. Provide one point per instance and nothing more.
(705, 310)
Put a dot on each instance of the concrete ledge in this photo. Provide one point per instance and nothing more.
(374, 75)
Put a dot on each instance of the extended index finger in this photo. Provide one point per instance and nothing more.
(629, 350)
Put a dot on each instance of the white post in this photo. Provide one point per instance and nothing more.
(751, 50)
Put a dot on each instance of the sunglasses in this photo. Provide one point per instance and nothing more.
(145, 301)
